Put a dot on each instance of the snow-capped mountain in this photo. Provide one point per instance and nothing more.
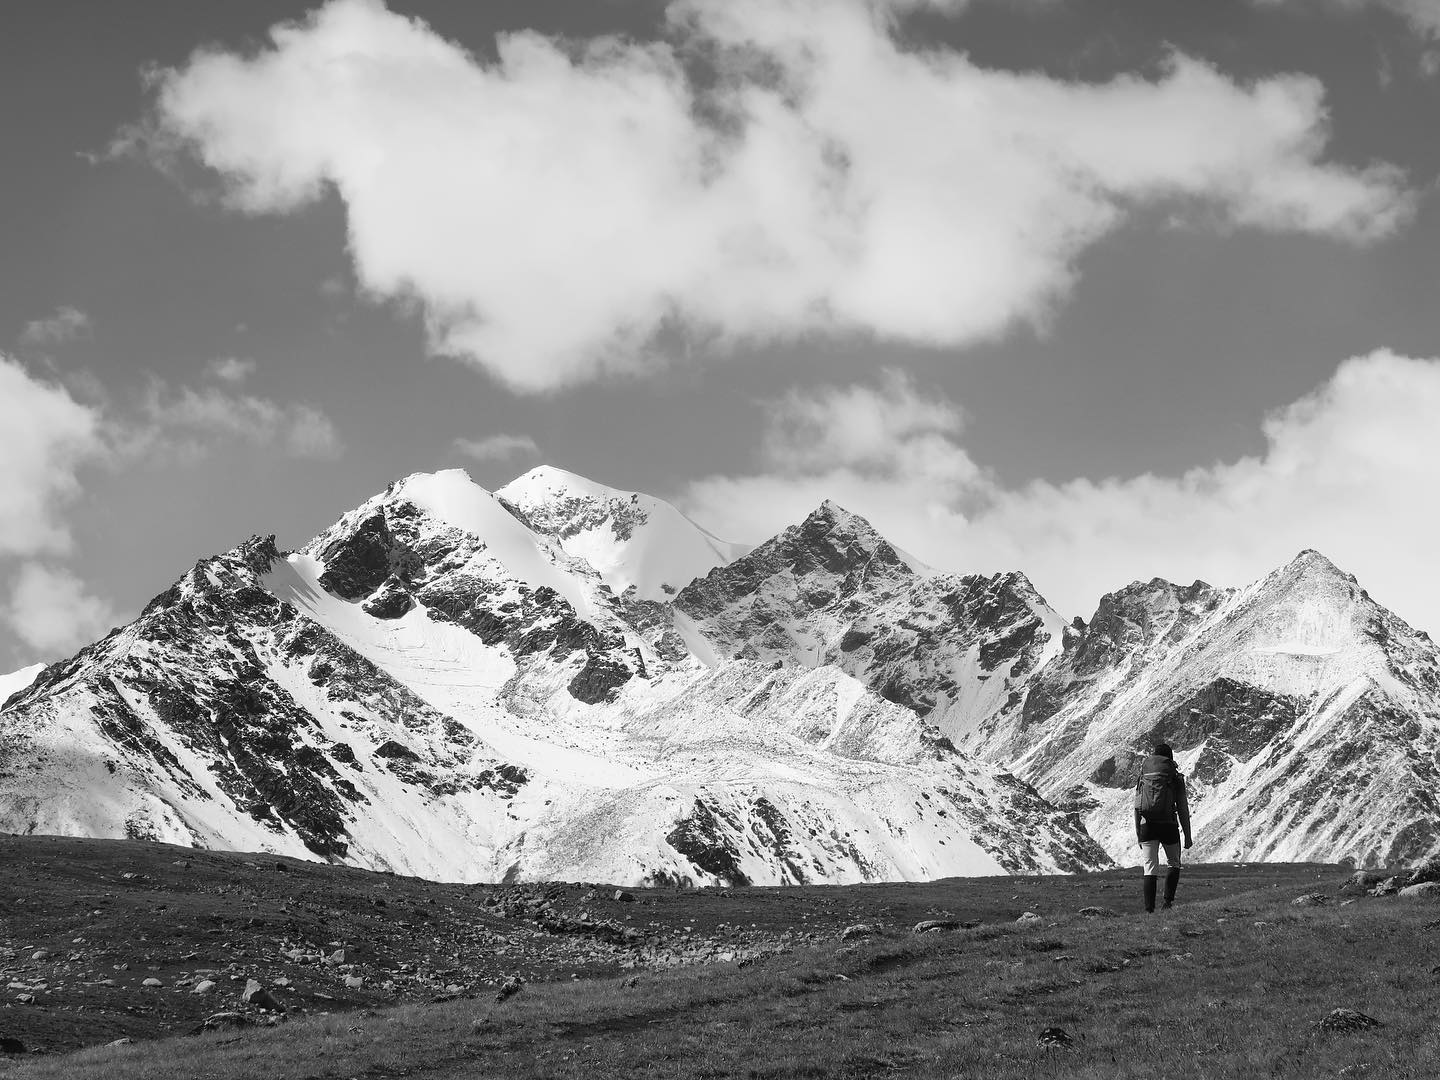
(832, 591)
(1306, 716)
(444, 683)
(563, 680)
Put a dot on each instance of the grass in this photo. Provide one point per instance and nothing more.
(1231, 986)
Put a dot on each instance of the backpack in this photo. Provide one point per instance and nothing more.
(1155, 795)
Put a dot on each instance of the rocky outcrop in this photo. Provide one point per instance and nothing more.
(954, 649)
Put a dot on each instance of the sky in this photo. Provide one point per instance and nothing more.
(1100, 291)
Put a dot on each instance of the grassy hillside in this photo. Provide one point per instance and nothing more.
(1232, 983)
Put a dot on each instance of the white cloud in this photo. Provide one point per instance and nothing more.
(45, 437)
(186, 423)
(52, 611)
(496, 447)
(554, 210)
(1350, 469)
(65, 324)
(231, 369)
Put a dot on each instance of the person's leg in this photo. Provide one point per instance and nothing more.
(1172, 875)
(1151, 851)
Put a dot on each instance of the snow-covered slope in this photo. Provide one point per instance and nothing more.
(16, 681)
(641, 546)
(956, 649)
(432, 685)
(1306, 716)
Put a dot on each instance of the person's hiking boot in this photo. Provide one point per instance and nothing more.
(1150, 892)
(1172, 882)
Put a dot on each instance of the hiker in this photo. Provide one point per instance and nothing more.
(1159, 801)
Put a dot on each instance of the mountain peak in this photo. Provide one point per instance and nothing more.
(830, 520)
(549, 482)
(1311, 563)
(634, 541)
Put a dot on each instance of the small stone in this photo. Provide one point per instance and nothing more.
(1348, 1020)
(1313, 899)
(1367, 878)
(257, 995)
(204, 986)
(152, 983)
(510, 987)
(125, 1041)
(1389, 887)
(1029, 917)
(1424, 889)
(1055, 1038)
(624, 897)
(1093, 912)
(25, 999)
(40, 954)
(221, 1020)
(336, 958)
(927, 926)
(859, 930)
(354, 982)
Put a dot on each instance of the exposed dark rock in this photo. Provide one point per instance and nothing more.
(392, 601)
(394, 751)
(700, 838)
(359, 563)
(599, 680)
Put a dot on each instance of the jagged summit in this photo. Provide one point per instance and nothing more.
(830, 524)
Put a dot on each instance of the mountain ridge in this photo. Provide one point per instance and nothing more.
(489, 686)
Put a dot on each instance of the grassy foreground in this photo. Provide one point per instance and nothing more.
(1226, 987)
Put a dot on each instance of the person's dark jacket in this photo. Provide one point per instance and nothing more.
(1165, 831)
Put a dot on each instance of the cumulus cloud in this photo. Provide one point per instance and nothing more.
(185, 422)
(231, 369)
(496, 447)
(46, 436)
(66, 324)
(1349, 469)
(554, 210)
(52, 611)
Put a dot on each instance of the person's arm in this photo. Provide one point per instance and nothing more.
(1182, 804)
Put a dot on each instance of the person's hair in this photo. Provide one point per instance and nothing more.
(1163, 750)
